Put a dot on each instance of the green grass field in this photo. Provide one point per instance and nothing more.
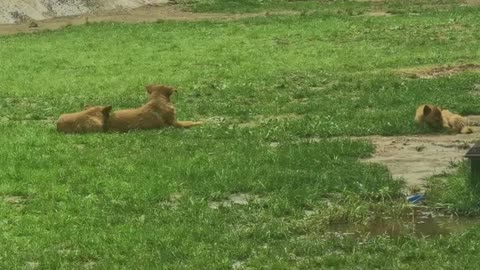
(265, 86)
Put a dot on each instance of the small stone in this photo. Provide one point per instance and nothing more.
(33, 24)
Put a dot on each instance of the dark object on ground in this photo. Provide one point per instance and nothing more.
(474, 156)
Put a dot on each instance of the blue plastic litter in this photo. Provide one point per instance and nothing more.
(416, 198)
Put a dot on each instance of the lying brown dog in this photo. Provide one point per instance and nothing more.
(435, 117)
(92, 119)
(158, 112)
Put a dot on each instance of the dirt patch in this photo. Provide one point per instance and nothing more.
(378, 13)
(434, 72)
(32, 265)
(415, 158)
(476, 90)
(16, 201)
(233, 199)
(467, 2)
(258, 120)
(472, 2)
(238, 265)
(173, 201)
(89, 265)
(152, 13)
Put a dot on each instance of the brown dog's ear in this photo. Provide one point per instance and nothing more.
(149, 88)
(169, 90)
(160, 89)
(106, 110)
(427, 110)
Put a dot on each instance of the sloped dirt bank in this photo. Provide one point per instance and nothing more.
(18, 11)
(148, 13)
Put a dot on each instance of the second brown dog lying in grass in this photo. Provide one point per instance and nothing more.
(92, 119)
(158, 112)
(435, 117)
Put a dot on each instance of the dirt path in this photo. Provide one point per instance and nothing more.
(415, 158)
(151, 13)
(432, 72)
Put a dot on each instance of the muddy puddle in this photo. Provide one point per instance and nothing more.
(420, 222)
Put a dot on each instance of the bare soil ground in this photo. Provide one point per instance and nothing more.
(378, 13)
(415, 158)
(472, 2)
(436, 71)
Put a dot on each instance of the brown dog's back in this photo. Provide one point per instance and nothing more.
(456, 122)
(140, 118)
(158, 112)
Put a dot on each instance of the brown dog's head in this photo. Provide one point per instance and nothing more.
(155, 90)
(432, 115)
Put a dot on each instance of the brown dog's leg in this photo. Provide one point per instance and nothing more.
(187, 124)
(466, 130)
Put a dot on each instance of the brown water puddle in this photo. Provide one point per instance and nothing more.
(419, 222)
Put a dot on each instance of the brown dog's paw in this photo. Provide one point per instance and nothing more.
(466, 130)
(187, 124)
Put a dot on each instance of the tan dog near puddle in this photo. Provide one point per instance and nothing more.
(435, 117)
(92, 119)
(158, 112)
